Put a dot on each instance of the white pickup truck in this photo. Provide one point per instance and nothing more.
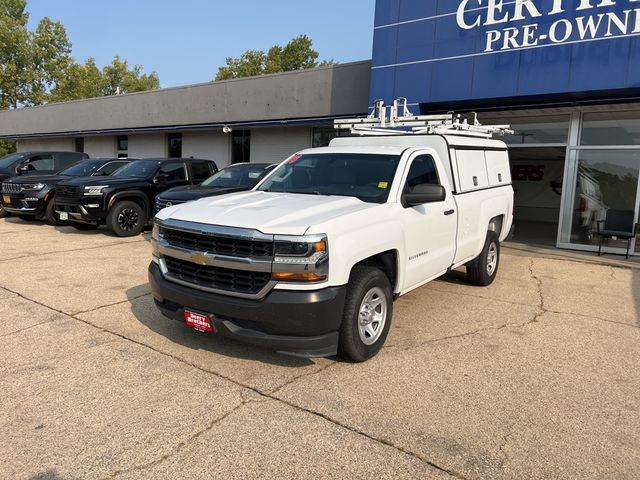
(310, 261)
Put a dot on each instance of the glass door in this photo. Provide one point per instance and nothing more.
(603, 180)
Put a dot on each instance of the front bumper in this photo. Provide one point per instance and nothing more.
(301, 323)
(22, 204)
(80, 212)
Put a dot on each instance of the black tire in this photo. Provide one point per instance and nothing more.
(51, 216)
(3, 212)
(83, 226)
(363, 281)
(126, 219)
(482, 271)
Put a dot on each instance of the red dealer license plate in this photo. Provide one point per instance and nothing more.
(200, 322)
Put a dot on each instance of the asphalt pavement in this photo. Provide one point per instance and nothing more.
(537, 376)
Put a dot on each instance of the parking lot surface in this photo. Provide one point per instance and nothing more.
(537, 376)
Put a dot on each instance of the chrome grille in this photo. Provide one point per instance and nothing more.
(12, 187)
(237, 281)
(234, 247)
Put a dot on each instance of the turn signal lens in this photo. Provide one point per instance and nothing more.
(298, 277)
(320, 246)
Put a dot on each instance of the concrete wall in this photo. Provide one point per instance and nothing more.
(328, 91)
(212, 145)
(100, 147)
(32, 145)
(273, 145)
(148, 145)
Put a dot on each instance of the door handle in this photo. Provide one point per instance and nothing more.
(449, 212)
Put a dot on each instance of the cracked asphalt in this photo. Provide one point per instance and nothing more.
(537, 376)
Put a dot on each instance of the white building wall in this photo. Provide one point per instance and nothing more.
(100, 147)
(148, 145)
(35, 144)
(272, 145)
(210, 145)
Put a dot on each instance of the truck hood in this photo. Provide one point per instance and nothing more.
(46, 179)
(268, 212)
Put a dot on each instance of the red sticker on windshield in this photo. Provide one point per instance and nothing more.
(293, 159)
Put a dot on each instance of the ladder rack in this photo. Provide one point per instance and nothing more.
(396, 119)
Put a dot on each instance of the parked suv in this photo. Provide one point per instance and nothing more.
(33, 196)
(236, 178)
(36, 163)
(124, 201)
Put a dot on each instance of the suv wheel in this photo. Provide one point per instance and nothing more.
(367, 314)
(126, 219)
(482, 271)
(52, 216)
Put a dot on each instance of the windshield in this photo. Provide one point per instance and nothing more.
(8, 160)
(242, 176)
(138, 168)
(364, 176)
(83, 169)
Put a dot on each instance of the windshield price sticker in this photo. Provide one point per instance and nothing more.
(383, 185)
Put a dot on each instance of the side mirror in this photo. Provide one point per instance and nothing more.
(22, 169)
(424, 193)
(161, 177)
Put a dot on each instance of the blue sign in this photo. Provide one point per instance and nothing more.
(434, 51)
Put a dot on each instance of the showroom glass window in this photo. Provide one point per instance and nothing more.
(175, 145)
(122, 146)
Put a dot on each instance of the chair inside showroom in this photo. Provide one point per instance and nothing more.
(618, 224)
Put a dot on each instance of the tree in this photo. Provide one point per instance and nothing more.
(298, 54)
(30, 62)
(7, 147)
(119, 79)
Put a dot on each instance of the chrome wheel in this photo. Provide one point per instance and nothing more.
(492, 259)
(128, 219)
(372, 316)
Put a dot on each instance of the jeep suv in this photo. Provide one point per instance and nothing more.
(32, 197)
(124, 201)
(36, 163)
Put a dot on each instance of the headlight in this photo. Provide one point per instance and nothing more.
(301, 259)
(36, 186)
(95, 190)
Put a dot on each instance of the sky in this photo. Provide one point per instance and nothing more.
(186, 41)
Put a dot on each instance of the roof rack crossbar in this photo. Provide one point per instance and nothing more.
(396, 119)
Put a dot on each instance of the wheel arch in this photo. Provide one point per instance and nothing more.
(137, 197)
(387, 262)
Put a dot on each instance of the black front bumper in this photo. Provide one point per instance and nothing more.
(301, 323)
(79, 212)
(19, 205)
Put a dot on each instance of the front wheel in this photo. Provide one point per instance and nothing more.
(367, 314)
(482, 271)
(3, 212)
(52, 216)
(126, 219)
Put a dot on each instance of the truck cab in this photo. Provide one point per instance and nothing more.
(310, 261)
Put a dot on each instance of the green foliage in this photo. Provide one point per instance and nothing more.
(298, 54)
(7, 147)
(88, 81)
(37, 67)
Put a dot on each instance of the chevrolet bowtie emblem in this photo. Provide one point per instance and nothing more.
(200, 258)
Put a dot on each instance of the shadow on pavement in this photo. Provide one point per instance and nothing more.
(48, 475)
(145, 311)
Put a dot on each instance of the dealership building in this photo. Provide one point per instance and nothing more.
(564, 73)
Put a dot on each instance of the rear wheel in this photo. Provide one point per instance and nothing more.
(482, 271)
(367, 314)
(126, 219)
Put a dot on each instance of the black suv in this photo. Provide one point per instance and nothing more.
(236, 178)
(124, 201)
(36, 163)
(33, 196)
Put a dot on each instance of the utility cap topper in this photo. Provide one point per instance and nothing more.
(396, 119)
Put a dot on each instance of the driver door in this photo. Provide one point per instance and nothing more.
(171, 174)
(430, 228)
